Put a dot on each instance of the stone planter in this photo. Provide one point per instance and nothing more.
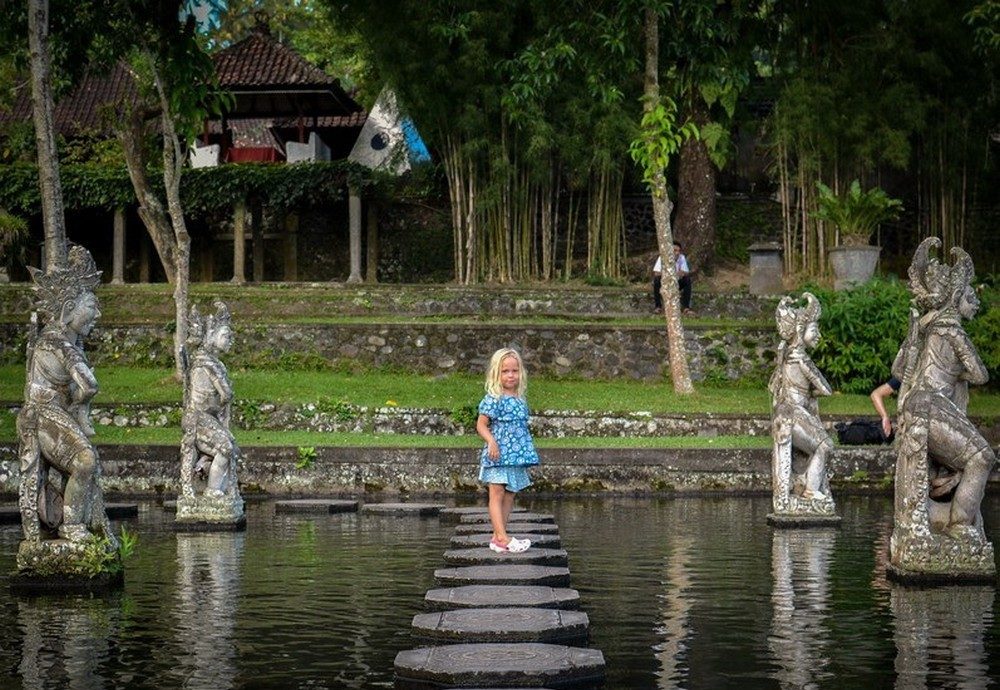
(853, 265)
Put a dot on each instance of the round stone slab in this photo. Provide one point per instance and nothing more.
(538, 541)
(474, 518)
(315, 505)
(403, 509)
(502, 625)
(499, 664)
(515, 528)
(502, 575)
(500, 596)
(485, 556)
(452, 515)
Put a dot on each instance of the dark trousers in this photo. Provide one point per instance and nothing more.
(683, 286)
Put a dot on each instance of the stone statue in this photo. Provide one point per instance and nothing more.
(943, 461)
(801, 489)
(209, 453)
(59, 493)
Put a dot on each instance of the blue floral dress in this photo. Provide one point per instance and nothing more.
(509, 425)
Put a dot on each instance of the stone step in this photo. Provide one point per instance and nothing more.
(403, 509)
(315, 505)
(502, 575)
(538, 541)
(529, 664)
(478, 518)
(501, 596)
(454, 515)
(11, 515)
(502, 625)
(515, 528)
(486, 556)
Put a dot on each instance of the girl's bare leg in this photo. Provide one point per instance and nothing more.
(498, 494)
(508, 505)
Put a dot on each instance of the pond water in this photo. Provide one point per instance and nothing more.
(681, 593)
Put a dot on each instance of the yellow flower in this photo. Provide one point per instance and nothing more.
(391, 403)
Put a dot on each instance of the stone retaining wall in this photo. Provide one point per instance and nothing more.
(154, 471)
(584, 351)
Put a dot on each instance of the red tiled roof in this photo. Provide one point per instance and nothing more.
(260, 60)
(83, 109)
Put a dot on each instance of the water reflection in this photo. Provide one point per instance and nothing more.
(208, 588)
(671, 652)
(800, 598)
(940, 636)
(64, 640)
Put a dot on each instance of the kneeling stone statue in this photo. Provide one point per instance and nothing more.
(210, 497)
(943, 461)
(800, 486)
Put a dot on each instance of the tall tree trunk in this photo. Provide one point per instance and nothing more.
(53, 216)
(694, 222)
(679, 373)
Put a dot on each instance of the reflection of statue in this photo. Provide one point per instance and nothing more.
(206, 600)
(941, 636)
(209, 453)
(943, 461)
(801, 489)
(59, 465)
(800, 639)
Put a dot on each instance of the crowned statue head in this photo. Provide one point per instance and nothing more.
(940, 289)
(212, 333)
(64, 295)
(798, 325)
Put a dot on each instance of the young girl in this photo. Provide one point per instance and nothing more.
(503, 424)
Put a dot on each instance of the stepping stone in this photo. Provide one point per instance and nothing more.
(502, 625)
(514, 528)
(117, 511)
(170, 506)
(475, 518)
(486, 556)
(10, 515)
(502, 575)
(315, 505)
(403, 509)
(453, 515)
(538, 541)
(501, 596)
(530, 664)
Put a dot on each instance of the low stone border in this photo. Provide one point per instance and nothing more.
(380, 473)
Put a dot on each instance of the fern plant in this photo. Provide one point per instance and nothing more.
(856, 213)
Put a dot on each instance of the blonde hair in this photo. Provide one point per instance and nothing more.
(493, 386)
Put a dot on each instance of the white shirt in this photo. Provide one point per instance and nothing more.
(681, 264)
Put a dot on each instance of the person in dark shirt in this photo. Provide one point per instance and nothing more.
(878, 396)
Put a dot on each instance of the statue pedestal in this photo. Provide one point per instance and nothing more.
(60, 565)
(918, 557)
(202, 513)
(802, 520)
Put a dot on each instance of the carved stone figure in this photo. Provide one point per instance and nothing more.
(801, 488)
(209, 453)
(60, 495)
(943, 461)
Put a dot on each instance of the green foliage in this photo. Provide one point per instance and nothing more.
(13, 235)
(305, 457)
(205, 190)
(984, 330)
(856, 213)
(660, 139)
(99, 557)
(465, 416)
(341, 410)
(862, 330)
(249, 413)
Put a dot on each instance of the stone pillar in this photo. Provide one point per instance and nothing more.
(291, 239)
(766, 268)
(354, 210)
(207, 260)
(257, 233)
(144, 243)
(371, 263)
(118, 249)
(239, 242)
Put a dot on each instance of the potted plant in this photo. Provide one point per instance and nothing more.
(856, 214)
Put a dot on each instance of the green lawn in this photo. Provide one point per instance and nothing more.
(371, 389)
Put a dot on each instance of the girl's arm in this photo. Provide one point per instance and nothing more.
(483, 429)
